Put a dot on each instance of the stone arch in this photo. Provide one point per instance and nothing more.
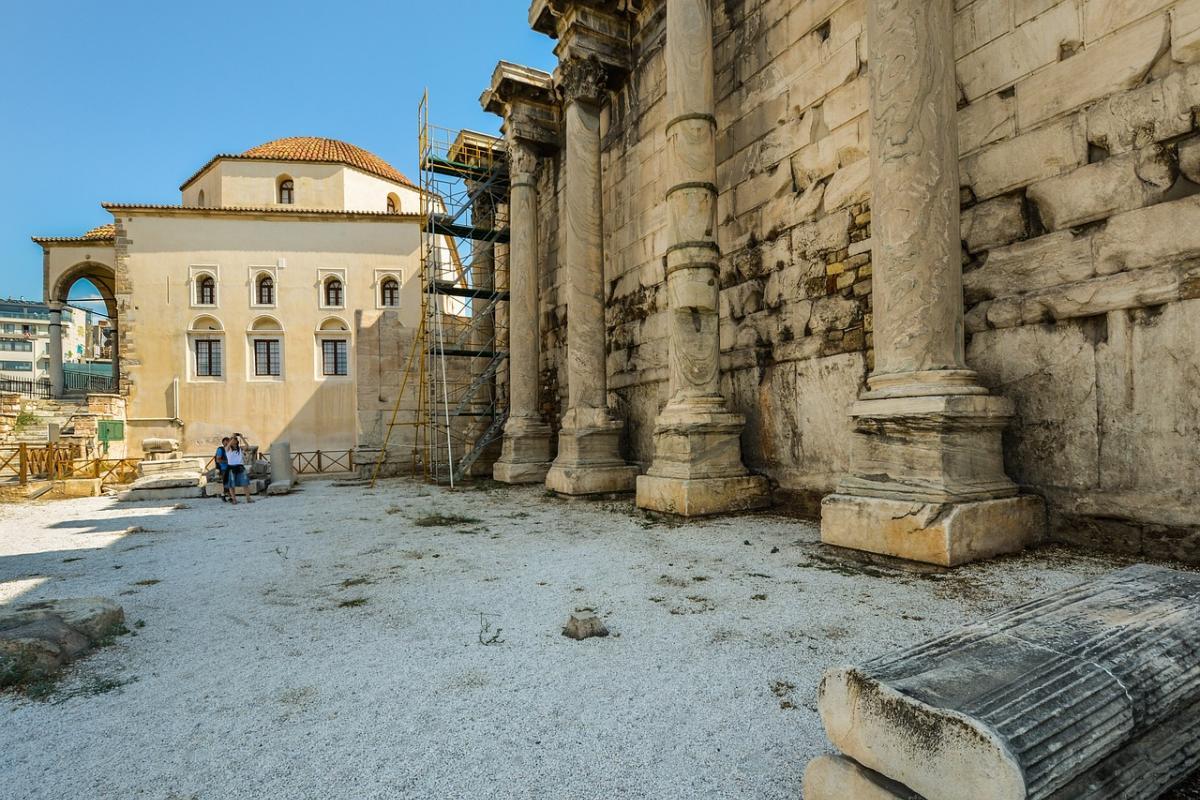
(57, 292)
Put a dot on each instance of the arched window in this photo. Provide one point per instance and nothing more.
(206, 291)
(287, 191)
(333, 292)
(200, 199)
(391, 204)
(389, 293)
(266, 291)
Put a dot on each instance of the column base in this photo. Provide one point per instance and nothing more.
(946, 534)
(525, 457)
(702, 496)
(589, 462)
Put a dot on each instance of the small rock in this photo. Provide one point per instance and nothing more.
(584, 627)
(774, 550)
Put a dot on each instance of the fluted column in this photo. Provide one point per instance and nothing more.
(57, 377)
(589, 460)
(927, 477)
(697, 466)
(526, 450)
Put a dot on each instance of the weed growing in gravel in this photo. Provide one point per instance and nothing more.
(443, 520)
(73, 558)
(486, 635)
(346, 584)
(147, 582)
(354, 603)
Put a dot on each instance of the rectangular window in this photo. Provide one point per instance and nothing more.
(16, 345)
(208, 358)
(17, 366)
(333, 357)
(266, 358)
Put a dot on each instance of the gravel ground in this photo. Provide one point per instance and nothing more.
(328, 644)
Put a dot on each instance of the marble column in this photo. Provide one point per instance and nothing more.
(697, 466)
(589, 460)
(57, 377)
(927, 475)
(526, 449)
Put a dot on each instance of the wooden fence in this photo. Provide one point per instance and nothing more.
(306, 462)
(61, 462)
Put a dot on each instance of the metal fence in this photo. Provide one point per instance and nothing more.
(87, 382)
(38, 390)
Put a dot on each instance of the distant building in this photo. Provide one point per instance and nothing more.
(240, 308)
(25, 339)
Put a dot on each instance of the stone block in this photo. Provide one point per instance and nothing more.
(1101, 69)
(849, 185)
(1185, 31)
(1102, 17)
(1153, 113)
(998, 221)
(1138, 239)
(1008, 58)
(37, 639)
(841, 778)
(1049, 373)
(1096, 191)
(946, 534)
(1139, 289)
(986, 120)
(1091, 692)
(703, 496)
(1050, 150)
(77, 487)
(1049, 260)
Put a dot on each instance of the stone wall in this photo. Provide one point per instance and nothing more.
(1080, 171)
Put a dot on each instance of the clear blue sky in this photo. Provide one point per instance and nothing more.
(122, 101)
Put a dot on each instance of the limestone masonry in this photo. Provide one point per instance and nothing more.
(943, 276)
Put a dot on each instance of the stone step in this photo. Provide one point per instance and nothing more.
(1099, 684)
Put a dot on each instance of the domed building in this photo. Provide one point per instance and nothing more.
(256, 303)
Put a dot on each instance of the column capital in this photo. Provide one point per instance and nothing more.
(597, 29)
(525, 99)
(55, 306)
(581, 79)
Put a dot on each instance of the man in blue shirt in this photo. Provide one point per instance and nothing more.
(223, 465)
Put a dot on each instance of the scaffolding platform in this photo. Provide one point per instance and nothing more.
(459, 357)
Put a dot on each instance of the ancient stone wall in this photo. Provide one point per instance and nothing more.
(1080, 167)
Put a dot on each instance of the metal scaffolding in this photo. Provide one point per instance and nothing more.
(462, 341)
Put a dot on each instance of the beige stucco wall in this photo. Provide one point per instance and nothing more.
(365, 192)
(254, 184)
(166, 253)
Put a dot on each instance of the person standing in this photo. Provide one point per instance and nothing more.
(223, 466)
(239, 477)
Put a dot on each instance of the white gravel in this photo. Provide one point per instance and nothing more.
(249, 680)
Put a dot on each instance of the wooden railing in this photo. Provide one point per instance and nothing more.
(61, 462)
(317, 461)
(305, 462)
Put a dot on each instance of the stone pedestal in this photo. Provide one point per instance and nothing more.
(525, 454)
(927, 465)
(282, 476)
(587, 461)
(697, 466)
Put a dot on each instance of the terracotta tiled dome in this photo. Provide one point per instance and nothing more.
(313, 148)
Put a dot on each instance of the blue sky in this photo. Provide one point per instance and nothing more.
(122, 101)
